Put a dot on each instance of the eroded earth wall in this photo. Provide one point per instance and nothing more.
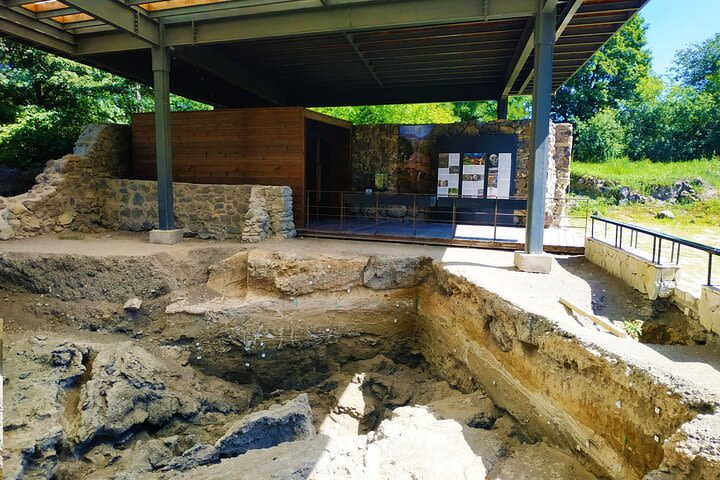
(563, 391)
(287, 320)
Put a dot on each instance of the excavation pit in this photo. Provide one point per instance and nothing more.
(370, 351)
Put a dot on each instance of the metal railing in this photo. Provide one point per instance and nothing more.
(619, 232)
(432, 216)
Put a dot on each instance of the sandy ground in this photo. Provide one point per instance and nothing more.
(696, 368)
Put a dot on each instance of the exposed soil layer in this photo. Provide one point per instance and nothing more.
(318, 365)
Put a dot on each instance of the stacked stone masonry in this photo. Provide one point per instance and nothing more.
(85, 191)
(657, 281)
(376, 150)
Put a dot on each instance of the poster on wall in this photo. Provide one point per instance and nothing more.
(498, 177)
(448, 174)
(415, 149)
(473, 178)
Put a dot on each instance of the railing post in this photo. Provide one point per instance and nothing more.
(710, 260)
(377, 213)
(654, 248)
(495, 220)
(414, 213)
(342, 209)
(592, 228)
(307, 209)
(659, 260)
(453, 217)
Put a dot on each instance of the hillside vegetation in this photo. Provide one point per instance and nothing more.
(642, 175)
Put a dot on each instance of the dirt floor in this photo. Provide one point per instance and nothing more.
(350, 348)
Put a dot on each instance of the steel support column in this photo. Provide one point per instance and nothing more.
(539, 138)
(163, 140)
(502, 108)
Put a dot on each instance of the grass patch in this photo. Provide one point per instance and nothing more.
(689, 217)
(643, 175)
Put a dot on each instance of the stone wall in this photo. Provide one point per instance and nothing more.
(376, 150)
(563, 156)
(640, 273)
(71, 192)
(85, 192)
(709, 308)
(657, 281)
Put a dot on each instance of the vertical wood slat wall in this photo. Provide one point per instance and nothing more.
(248, 146)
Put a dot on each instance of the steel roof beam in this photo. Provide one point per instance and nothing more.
(57, 13)
(363, 59)
(17, 3)
(34, 36)
(566, 16)
(119, 15)
(520, 57)
(28, 21)
(216, 64)
(336, 19)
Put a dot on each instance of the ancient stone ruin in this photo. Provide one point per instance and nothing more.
(88, 191)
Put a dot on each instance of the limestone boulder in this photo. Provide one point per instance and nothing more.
(229, 276)
(386, 272)
(530, 462)
(292, 274)
(410, 444)
(38, 373)
(130, 387)
(6, 231)
(288, 422)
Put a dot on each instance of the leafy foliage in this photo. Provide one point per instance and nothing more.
(696, 64)
(610, 78)
(600, 138)
(46, 100)
(417, 113)
(484, 111)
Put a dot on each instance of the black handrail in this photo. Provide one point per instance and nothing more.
(657, 237)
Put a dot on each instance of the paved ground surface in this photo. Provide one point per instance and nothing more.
(566, 237)
(697, 367)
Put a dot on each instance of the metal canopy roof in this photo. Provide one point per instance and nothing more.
(242, 53)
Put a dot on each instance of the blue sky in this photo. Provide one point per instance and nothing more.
(675, 24)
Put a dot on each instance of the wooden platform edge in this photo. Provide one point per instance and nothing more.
(443, 242)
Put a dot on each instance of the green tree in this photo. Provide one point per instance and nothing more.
(416, 113)
(484, 111)
(695, 64)
(610, 78)
(45, 101)
(600, 138)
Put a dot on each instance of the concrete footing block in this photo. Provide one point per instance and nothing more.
(533, 262)
(166, 237)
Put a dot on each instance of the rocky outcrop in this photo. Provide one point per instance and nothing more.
(292, 274)
(129, 387)
(682, 191)
(288, 422)
(385, 272)
(229, 276)
(38, 374)
(74, 397)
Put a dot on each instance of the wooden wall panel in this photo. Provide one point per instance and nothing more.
(249, 146)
